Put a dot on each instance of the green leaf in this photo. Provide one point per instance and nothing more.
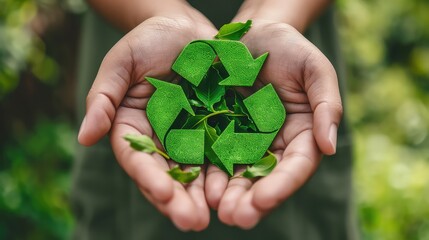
(192, 121)
(144, 143)
(196, 103)
(238, 105)
(209, 91)
(221, 105)
(221, 69)
(262, 167)
(141, 143)
(184, 176)
(245, 123)
(209, 138)
(233, 31)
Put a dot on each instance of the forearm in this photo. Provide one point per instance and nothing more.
(297, 13)
(127, 14)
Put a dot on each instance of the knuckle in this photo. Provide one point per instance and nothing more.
(338, 108)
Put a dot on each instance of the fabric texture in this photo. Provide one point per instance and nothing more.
(108, 205)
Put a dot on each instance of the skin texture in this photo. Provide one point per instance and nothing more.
(305, 80)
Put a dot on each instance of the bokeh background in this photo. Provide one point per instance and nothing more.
(386, 50)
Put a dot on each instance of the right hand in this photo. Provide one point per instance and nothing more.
(117, 101)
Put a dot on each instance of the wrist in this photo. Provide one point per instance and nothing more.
(297, 13)
(147, 9)
(183, 14)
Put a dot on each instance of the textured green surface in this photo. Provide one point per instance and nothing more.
(266, 109)
(196, 58)
(243, 136)
(194, 62)
(238, 62)
(165, 105)
(186, 145)
(210, 137)
(241, 148)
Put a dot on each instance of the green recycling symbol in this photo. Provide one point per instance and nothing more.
(188, 129)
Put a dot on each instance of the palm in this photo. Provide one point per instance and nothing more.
(118, 99)
(306, 84)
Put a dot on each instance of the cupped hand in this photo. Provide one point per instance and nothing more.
(117, 101)
(307, 85)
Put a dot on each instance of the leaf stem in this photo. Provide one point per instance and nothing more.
(165, 155)
(211, 115)
(236, 115)
(271, 153)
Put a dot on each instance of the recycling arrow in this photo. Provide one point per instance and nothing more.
(165, 105)
(266, 109)
(241, 148)
(268, 113)
(197, 57)
(184, 145)
(189, 138)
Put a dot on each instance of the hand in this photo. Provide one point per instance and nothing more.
(307, 85)
(117, 103)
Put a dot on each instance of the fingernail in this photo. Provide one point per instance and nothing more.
(82, 127)
(333, 137)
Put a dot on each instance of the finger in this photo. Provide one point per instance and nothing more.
(147, 170)
(186, 208)
(321, 84)
(236, 188)
(215, 185)
(298, 163)
(181, 210)
(246, 215)
(110, 86)
(196, 192)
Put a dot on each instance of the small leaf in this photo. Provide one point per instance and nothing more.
(245, 123)
(220, 106)
(195, 103)
(238, 105)
(262, 167)
(209, 91)
(209, 138)
(144, 143)
(192, 121)
(141, 143)
(233, 31)
(221, 69)
(184, 176)
(186, 86)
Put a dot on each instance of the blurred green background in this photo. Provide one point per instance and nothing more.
(386, 49)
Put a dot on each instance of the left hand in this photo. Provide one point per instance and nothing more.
(117, 101)
(307, 84)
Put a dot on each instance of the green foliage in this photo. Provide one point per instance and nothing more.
(184, 176)
(210, 92)
(233, 31)
(144, 143)
(387, 52)
(34, 179)
(262, 167)
(21, 47)
(35, 154)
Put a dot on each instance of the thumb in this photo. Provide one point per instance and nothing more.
(321, 84)
(108, 90)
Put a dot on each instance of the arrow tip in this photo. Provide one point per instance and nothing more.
(155, 82)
